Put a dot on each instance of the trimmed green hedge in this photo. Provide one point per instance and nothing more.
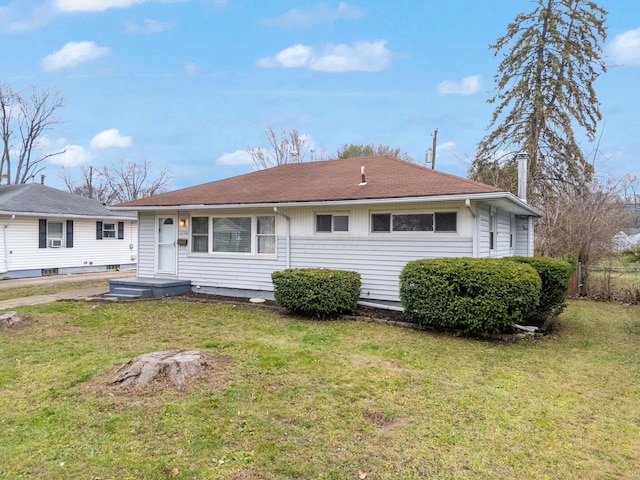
(317, 292)
(479, 296)
(555, 276)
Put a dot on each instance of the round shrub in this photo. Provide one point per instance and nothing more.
(479, 296)
(555, 276)
(317, 292)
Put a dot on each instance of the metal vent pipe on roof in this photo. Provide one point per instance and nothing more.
(364, 179)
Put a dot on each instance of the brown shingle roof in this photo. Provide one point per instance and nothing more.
(386, 177)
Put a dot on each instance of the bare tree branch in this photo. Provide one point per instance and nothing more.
(24, 121)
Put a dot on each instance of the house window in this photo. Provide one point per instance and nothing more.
(492, 229)
(108, 230)
(446, 222)
(326, 223)
(232, 234)
(512, 232)
(54, 234)
(414, 222)
(200, 234)
(266, 235)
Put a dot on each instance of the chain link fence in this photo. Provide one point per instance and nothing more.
(616, 284)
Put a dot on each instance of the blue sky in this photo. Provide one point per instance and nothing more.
(190, 84)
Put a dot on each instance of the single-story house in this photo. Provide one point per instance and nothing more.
(46, 231)
(371, 215)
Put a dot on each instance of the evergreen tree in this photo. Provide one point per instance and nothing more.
(545, 89)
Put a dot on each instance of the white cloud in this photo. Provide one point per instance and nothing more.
(190, 69)
(68, 6)
(72, 54)
(147, 26)
(317, 14)
(361, 56)
(466, 86)
(446, 146)
(18, 17)
(239, 157)
(110, 138)
(72, 156)
(625, 48)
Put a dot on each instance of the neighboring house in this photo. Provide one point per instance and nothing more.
(46, 231)
(371, 215)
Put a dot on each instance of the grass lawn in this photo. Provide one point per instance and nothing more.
(302, 399)
(47, 289)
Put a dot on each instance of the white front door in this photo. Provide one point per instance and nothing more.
(166, 259)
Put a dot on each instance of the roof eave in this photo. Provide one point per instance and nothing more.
(64, 215)
(525, 207)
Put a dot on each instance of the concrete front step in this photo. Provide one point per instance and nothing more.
(129, 293)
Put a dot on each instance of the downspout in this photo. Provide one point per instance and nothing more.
(467, 203)
(288, 219)
(6, 245)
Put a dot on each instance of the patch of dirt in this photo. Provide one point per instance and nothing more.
(215, 376)
(384, 423)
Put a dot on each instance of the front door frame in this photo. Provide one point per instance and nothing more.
(168, 246)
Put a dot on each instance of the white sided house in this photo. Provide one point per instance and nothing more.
(45, 231)
(371, 215)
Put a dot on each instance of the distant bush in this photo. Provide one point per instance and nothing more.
(479, 296)
(554, 275)
(317, 292)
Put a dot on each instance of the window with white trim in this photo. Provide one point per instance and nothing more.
(200, 234)
(327, 223)
(232, 234)
(414, 222)
(266, 235)
(108, 230)
(241, 235)
(493, 223)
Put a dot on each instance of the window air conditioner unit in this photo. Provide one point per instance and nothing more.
(55, 242)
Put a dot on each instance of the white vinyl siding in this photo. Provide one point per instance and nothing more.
(23, 252)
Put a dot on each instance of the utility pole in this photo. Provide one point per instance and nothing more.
(430, 154)
(435, 138)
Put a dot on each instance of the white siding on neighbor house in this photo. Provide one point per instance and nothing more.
(24, 253)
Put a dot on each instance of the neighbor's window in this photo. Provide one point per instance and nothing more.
(200, 234)
(266, 234)
(232, 234)
(413, 222)
(54, 230)
(108, 230)
(332, 223)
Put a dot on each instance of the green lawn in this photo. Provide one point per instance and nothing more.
(302, 399)
(48, 289)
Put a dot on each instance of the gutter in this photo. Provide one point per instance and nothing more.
(6, 245)
(288, 219)
(364, 201)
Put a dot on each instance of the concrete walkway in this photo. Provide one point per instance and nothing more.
(71, 294)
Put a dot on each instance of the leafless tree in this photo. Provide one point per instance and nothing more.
(288, 147)
(582, 220)
(122, 181)
(24, 121)
(128, 180)
(91, 184)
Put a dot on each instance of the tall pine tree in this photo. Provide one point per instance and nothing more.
(545, 95)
